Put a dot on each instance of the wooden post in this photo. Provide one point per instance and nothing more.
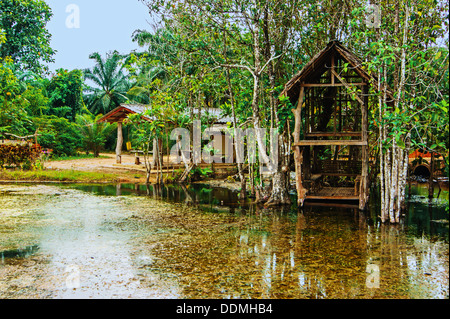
(308, 105)
(332, 67)
(363, 193)
(363, 189)
(306, 159)
(298, 158)
(119, 143)
(430, 181)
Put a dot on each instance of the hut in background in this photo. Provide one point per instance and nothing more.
(118, 115)
(216, 119)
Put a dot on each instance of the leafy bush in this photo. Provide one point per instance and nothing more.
(22, 156)
(198, 173)
(59, 134)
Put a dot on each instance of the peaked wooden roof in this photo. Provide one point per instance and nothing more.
(319, 64)
(121, 112)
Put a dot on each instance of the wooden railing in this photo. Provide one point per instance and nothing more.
(339, 167)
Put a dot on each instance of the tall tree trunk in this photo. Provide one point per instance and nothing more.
(243, 191)
(260, 139)
(394, 161)
(380, 146)
(393, 195)
(148, 166)
(239, 156)
(159, 159)
(430, 180)
(280, 178)
(403, 178)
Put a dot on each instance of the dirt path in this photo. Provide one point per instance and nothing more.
(128, 171)
(93, 164)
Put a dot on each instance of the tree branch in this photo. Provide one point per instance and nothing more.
(22, 137)
(270, 60)
(239, 66)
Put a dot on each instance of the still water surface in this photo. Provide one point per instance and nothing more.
(130, 241)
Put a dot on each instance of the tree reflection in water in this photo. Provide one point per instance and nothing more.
(317, 253)
(198, 242)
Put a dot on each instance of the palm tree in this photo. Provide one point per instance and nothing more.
(111, 83)
(94, 133)
(160, 55)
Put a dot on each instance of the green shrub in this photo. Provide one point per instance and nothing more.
(59, 134)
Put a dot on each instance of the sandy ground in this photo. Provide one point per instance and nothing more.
(94, 164)
(128, 171)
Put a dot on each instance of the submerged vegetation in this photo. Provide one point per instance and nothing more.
(172, 242)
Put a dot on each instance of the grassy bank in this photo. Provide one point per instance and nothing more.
(57, 176)
(76, 157)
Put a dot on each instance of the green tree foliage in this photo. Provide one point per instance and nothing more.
(411, 93)
(155, 64)
(144, 135)
(65, 93)
(110, 83)
(26, 39)
(237, 55)
(25, 107)
(13, 116)
(38, 102)
(2, 37)
(233, 55)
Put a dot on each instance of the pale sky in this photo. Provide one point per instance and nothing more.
(104, 25)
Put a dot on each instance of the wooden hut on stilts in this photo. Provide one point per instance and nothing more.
(331, 143)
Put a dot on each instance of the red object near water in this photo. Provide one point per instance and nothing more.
(418, 153)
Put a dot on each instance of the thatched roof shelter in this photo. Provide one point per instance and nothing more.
(331, 142)
(322, 62)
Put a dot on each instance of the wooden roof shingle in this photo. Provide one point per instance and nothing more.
(121, 112)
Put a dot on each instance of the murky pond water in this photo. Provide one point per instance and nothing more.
(130, 241)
